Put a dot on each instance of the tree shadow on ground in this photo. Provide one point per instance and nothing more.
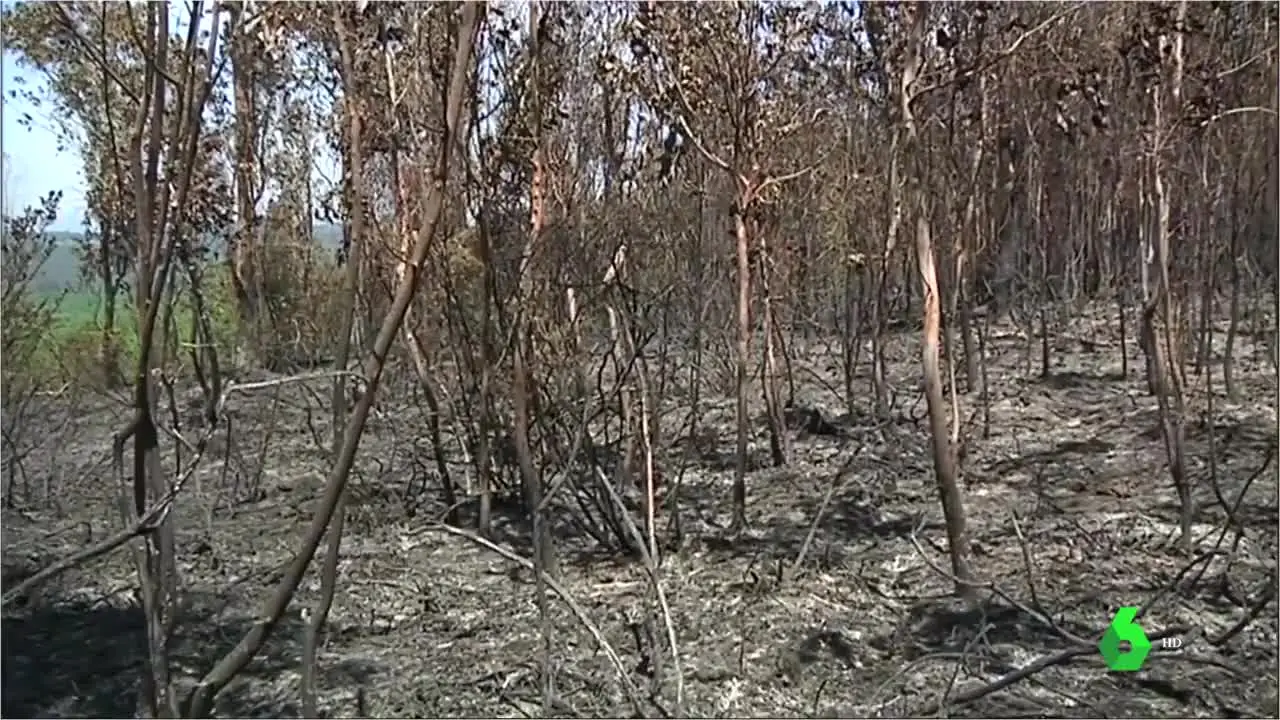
(951, 626)
(1069, 379)
(79, 658)
(1058, 454)
(781, 512)
(857, 514)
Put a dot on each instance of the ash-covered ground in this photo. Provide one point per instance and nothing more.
(1071, 513)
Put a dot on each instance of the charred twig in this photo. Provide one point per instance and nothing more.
(1233, 508)
(152, 518)
(979, 691)
(1173, 583)
(837, 483)
(1264, 599)
(964, 654)
(1026, 562)
(876, 707)
(1038, 616)
(651, 567)
(563, 594)
(146, 524)
(998, 57)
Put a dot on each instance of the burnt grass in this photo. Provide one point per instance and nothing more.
(1070, 508)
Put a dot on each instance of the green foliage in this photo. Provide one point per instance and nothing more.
(54, 331)
(27, 316)
(75, 336)
(295, 331)
(26, 319)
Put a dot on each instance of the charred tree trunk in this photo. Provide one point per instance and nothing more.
(944, 460)
(199, 702)
(1166, 348)
(778, 446)
(743, 236)
(353, 197)
(880, 279)
(522, 386)
(240, 250)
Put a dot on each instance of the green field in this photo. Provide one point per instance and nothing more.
(61, 270)
(68, 346)
(79, 309)
(73, 342)
(80, 314)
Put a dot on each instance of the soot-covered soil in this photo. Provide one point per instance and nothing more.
(1070, 510)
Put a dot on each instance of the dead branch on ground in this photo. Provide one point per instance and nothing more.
(564, 595)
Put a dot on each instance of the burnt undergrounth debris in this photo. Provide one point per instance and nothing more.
(1066, 495)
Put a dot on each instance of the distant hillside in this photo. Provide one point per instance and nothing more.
(62, 270)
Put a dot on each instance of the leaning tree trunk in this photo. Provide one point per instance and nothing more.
(354, 200)
(743, 236)
(944, 461)
(200, 699)
(1166, 348)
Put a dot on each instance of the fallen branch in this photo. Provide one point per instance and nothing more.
(155, 516)
(563, 594)
(146, 524)
(1038, 616)
(1081, 646)
(1264, 599)
(977, 691)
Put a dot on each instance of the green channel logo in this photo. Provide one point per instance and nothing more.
(1123, 629)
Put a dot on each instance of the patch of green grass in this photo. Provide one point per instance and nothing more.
(82, 312)
(299, 309)
(75, 339)
(76, 312)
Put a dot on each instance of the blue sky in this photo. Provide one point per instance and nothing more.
(34, 163)
(34, 166)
